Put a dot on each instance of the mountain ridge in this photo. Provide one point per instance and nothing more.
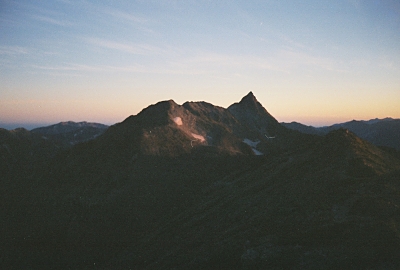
(381, 132)
(68, 126)
(196, 124)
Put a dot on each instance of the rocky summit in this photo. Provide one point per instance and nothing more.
(197, 186)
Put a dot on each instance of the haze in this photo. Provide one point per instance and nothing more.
(315, 62)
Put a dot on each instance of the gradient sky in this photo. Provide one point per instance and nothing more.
(316, 62)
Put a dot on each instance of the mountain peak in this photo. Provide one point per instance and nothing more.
(256, 117)
(249, 103)
(155, 114)
(250, 94)
(249, 100)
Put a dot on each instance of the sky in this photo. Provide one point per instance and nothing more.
(317, 62)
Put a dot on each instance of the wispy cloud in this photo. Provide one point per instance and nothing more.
(126, 16)
(92, 68)
(139, 22)
(141, 49)
(191, 62)
(13, 50)
(51, 20)
(69, 67)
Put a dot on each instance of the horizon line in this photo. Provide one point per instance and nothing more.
(32, 125)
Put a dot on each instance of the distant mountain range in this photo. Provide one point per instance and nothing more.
(67, 127)
(381, 132)
(70, 133)
(197, 186)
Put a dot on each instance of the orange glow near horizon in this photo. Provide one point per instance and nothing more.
(116, 110)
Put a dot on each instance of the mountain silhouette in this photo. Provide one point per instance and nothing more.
(251, 113)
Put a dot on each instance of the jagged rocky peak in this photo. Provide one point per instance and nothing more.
(248, 103)
(255, 116)
(249, 100)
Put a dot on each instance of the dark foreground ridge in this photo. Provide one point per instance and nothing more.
(197, 186)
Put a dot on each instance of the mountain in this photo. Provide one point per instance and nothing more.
(377, 120)
(169, 129)
(200, 186)
(70, 133)
(381, 132)
(303, 128)
(255, 117)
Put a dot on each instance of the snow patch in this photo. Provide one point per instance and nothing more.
(199, 137)
(256, 152)
(253, 146)
(178, 121)
(251, 143)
